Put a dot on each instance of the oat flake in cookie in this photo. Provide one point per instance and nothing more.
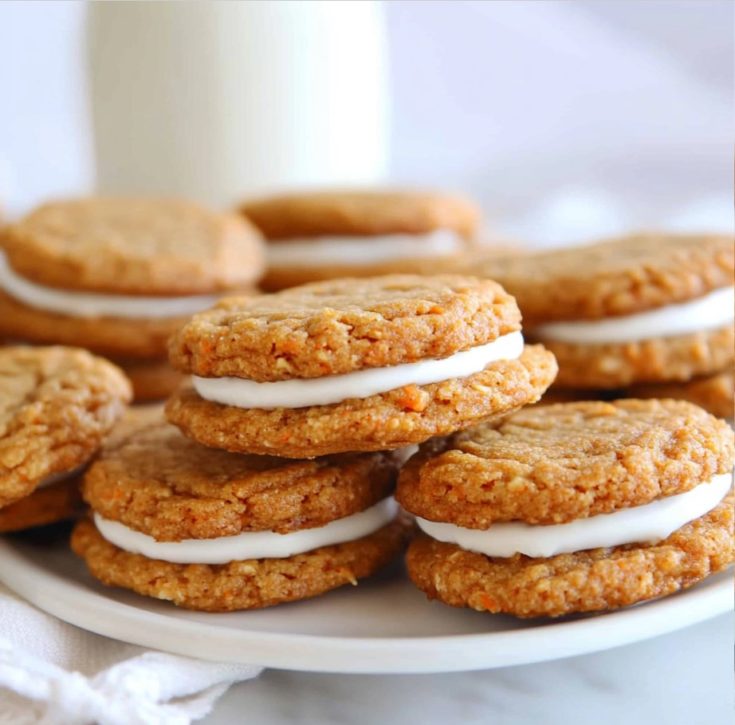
(215, 531)
(648, 308)
(354, 365)
(575, 507)
(57, 406)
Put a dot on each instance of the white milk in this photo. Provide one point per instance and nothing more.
(215, 101)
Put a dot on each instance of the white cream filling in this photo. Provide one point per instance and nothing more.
(648, 523)
(714, 310)
(358, 251)
(92, 304)
(302, 393)
(251, 544)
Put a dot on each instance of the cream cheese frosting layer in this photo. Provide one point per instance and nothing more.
(331, 389)
(641, 524)
(92, 304)
(359, 251)
(710, 312)
(251, 544)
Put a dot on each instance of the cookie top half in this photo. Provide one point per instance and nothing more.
(615, 277)
(155, 480)
(361, 213)
(134, 246)
(57, 405)
(558, 463)
(340, 326)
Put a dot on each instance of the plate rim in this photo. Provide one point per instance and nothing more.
(355, 655)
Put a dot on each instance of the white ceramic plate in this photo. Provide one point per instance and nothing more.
(382, 626)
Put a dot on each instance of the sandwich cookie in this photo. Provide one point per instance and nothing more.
(575, 507)
(57, 405)
(354, 365)
(327, 235)
(645, 308)
(215, 531)
(119, 276)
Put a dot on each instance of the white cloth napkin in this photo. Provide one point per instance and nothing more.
(56, 674)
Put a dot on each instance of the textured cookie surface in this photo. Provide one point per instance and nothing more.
(329, 328)
(355, 213)
(116, 337)
(247, 584)
(56, 407)
(157, 481)
(400, 417)
(617, 277)
(46, 505)
(134, 246)
(586, 581)
(616, 365)
(558, 463)
(715, 393)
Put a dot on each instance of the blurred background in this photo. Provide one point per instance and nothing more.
(566, 120)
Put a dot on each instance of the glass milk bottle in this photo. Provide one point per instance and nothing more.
(216, 101)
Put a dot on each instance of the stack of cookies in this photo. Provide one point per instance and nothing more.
(648, 315)
(119, 276)
(300, 410)
(328, 235)
(57, 407)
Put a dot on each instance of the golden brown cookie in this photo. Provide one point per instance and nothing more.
(398, 418)
(616, 365)
(360, 213)
(151, 379)
(355, 226)
(156, 481)
(249, 584)
(615, 277)
(119, 276)
(560, 463)
(714, 393)
(586, 581)
(331, 328)
(46, 505)
(57, 405)
(573, 507)
(133, 247)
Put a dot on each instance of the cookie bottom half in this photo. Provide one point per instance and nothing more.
(586, 581)
(251, 584)
(44, 506)
(617, 365)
